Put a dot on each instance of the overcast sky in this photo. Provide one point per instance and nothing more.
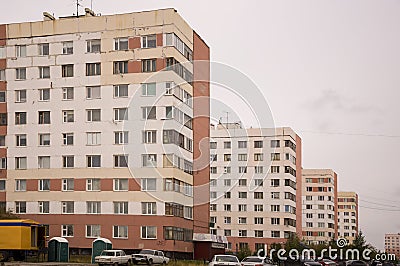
(328, 69)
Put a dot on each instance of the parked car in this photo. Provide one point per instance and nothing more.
(327, 262)
(310, 262)
(150, 256)
(113, 257)
(356, 263)
(224, 260)
(256, 261)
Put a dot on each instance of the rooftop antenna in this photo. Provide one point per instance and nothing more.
(227, 117)
(91, 4)
(77, 7)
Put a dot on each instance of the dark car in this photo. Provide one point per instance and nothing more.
(356, 263)
(327, 262)
(310, 262)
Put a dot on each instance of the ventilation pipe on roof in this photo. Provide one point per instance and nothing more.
(48, 16)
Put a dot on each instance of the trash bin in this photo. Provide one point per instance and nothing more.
(98, 245)
(58, 249)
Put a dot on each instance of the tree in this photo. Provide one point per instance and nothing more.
(244, 252)
(7, 215)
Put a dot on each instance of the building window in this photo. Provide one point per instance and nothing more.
(20, 96)
(93, 92)
(121, 91)
(149, 112)
(275, 143)
(242, 233)
(67, 207)
(93, 161)
(148, 184)
(44, 117)
(258, 195)
(93, 115)
(242, 157)
(44, 162)
(120, 231)
(121, 184)
(227, 207)
(44, 207)
(121, 137)
(68, 93)
(44, 49)
(242, 169)
(44, 185)
(67, 230)
(20, 51)
(68, 138)
(44, 139)
(242, 182)
(275, 156)
(258, 233)
(276, 234)
(149, 65)
(3, 97)
(149, 41)
(121, 44)
(258, 220)
(20, 163)
(3, 163)
(68, 161)
(2, 185)
(149, 208)
(258, 208)
(93, 69)
(2, 74)
(68, 116)
(93, 138)
(93, 184)
(274, 182)
(120, 67)
(92, 230)
(275, 169)
(93, 46)
(93, 207)
(258, 157)
(149, 136)
(121, 207)
(121, 160)
(44, 94)
(20, 207)
(44, 72)
(227, 144)
(149, 160)
(227, 157)
(258, 144)
(68, 47)
(242, 208)
(67, 184)
(20, 140)
(275, 208)
(120, 114)
(275, 195)
(67, 71)
(20, 73)
(213, 145)
(149, 232)
(20, 185)
(148, 89)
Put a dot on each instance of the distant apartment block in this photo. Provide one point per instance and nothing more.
(392, 244)
(319, 205)
(97, 128)
(255, 185)
(348, 215)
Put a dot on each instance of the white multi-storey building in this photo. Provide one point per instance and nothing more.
(392, 244)
(255, 185)
(347, 215)
(319, 205)
(99, 128)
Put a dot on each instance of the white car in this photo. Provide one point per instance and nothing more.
(113, 257)
(149, 256)
(259, 261)
(223, 260)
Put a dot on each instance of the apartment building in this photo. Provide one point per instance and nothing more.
(392, 244)
(255, 185)
(347, 215)
(99, 128)
(319, 205)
